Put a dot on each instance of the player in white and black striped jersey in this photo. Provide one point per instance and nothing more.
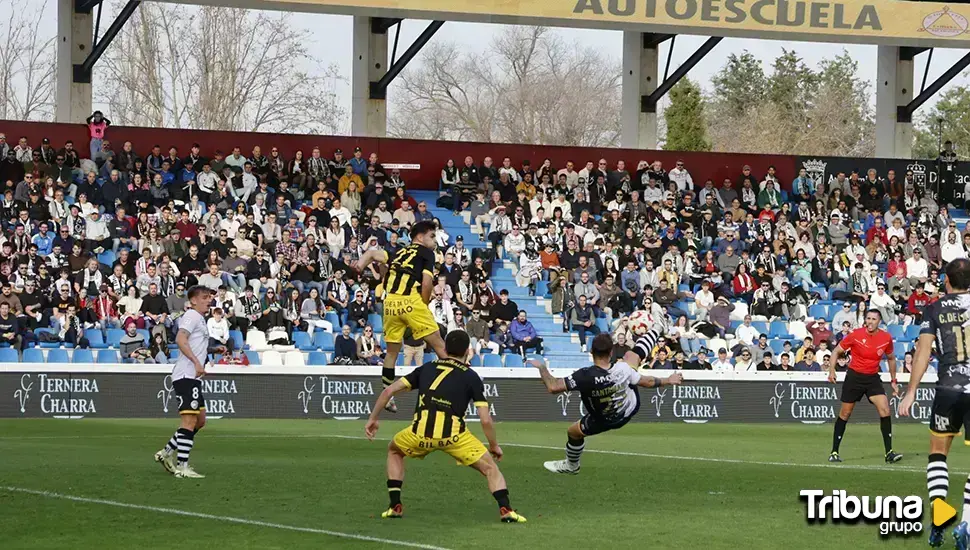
(193, 343)
(609, 395)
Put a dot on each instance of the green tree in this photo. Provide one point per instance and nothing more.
(953, 108)
(793, 86)
(738, 86)
(686, 125)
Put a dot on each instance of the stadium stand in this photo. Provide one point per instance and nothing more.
(91, 246)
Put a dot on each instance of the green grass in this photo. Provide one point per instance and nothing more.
(301, 474)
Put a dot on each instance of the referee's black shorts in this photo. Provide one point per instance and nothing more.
(856, 386)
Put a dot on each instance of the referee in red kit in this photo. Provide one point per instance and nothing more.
(867, 347)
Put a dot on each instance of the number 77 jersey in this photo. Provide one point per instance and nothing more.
(445, 387)
(948, 319)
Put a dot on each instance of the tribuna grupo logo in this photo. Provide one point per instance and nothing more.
(65, 396)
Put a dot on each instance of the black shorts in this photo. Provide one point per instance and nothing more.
(856, 386)
(950, 412)
(189, 392)
(592, 425)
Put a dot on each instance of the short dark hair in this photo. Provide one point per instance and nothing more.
(421, 228)
(875, 311)
(456, 343)
(198, 289)
(602, 346)
(958, 274)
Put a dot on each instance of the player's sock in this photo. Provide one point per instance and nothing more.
(502, 497)
(966, 501)
(574, 450)
(185, 442)
(394, 491)
(387, 376)
(938, 478)
(172, 443)
(839, 432)
(886, 425)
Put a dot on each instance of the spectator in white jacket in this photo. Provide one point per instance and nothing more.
(704, 300)
(219, 331)
(747, 333)
(681, 177)
(723, 362)
(745, 363)
(514, 244)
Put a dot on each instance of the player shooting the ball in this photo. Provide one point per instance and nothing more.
(609, 394)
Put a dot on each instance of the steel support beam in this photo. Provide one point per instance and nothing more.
(85, 6)
(904, 113)
(651, 40)
(380, 25)
(82, 71)
(648, 103)
(378, 90)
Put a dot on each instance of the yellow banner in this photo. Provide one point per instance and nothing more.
(882, 21)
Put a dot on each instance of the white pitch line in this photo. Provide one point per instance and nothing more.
(228, 519)
(843, 466)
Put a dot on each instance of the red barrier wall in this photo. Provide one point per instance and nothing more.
(431, 155)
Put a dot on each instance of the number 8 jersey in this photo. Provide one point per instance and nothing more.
(445, 387)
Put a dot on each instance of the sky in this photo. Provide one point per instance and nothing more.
(337, 30)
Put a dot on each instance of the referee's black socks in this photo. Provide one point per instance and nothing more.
(394, 491)
(886, 425)
(839, 432)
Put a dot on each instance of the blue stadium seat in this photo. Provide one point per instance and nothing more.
(145, 335)
(778, 329)
(376, 321)
(114, 337)
(323, 340)
(603, 324)
(58, 356)
(542, 288)
(912, 332)
(237, 338)
(898, 332)
(253, 357)
(107, 356)
(777, 346)
(46, 345)
(33, 355)
(107, 257)
(334, 320)
(83, 356)
(513, 360)
(818, 310)
(96, 338)
(9, 355)
(302, 341)
(476, 361)
(760, 326)
(492, 360)
(317, 358)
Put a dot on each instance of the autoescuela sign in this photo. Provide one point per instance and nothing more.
(866, 21)
(351, 397)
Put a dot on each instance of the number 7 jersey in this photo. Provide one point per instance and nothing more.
(445, 387)
(948, 319)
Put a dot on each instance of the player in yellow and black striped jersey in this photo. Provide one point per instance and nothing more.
(445, 388)
(408, 285)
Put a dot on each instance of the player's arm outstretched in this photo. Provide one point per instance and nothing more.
(921, 362)
(373, 255)
(656, 381)
(400, 385)
(553, 384)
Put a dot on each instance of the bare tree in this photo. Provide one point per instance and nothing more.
(27, 66)
(218, 68)
(534, 88)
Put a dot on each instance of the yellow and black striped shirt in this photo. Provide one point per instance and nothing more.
(445, 387)
(408, 268)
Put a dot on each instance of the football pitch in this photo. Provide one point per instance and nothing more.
(92, 483)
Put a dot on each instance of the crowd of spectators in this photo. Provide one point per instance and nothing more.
(115, 239)
(609, 240)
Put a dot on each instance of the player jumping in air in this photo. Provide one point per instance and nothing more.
(609, 395)
(408, 284)
(445, 387)
(946, 323)
(193, 343)
(868, 346)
